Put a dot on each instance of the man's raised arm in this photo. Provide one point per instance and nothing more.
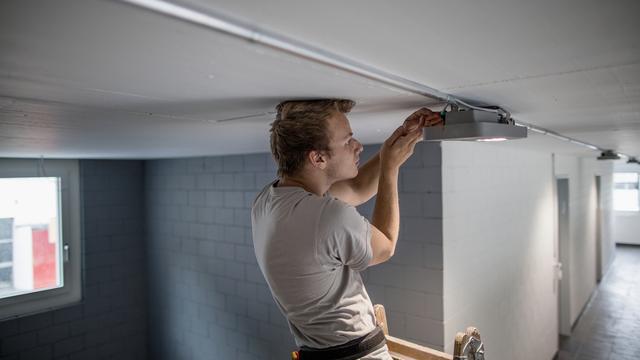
(364, 186)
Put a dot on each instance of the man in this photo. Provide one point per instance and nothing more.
(310, 241)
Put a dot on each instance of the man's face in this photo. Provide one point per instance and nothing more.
(345, 149)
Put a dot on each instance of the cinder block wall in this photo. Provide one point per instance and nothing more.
(110, 323)
(208, 297)
(410, 284)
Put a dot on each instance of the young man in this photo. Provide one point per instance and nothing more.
(310, 241)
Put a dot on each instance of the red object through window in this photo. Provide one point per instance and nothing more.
(44, 260)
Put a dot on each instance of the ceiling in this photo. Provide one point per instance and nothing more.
(104, 79)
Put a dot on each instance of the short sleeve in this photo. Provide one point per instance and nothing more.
(344, 236)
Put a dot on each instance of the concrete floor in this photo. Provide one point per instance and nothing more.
(609, 328)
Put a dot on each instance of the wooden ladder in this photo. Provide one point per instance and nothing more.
(467, 345)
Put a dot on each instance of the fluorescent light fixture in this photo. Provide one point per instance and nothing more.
(492, 139)
(474, 125)
(609, 155)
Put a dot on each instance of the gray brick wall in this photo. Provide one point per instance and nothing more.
(110, 323)
(208, 298)
(409, 285)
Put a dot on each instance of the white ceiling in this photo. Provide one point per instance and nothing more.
(102, 79)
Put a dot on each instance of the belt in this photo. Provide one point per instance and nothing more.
(351, 350)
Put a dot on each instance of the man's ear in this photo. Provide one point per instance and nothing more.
(317, 159)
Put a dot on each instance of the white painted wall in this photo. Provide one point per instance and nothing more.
(499, 241)
(604, 169)
(627, 224)
(579, 268)
(627, 229)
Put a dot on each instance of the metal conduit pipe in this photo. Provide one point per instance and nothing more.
(558, 136)
(221, 24)
(555, 135)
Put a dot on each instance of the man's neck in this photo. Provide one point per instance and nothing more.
(313, 184)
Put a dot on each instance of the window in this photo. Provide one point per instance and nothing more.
(625, 193)
(39, 235)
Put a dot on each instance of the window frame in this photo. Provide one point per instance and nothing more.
(614, 190)
(70, 210)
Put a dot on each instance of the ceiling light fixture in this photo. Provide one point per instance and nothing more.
(609, 155)
(493, 139)
(477, 124)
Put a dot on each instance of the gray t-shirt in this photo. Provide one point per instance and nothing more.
(311, 250)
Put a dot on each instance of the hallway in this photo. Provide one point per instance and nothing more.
(610, 325)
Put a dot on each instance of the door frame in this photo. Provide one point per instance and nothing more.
(563, 231)
(598, 185)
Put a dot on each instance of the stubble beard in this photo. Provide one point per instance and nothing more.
(338, 174)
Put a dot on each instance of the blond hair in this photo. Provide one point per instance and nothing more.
(301, 126)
